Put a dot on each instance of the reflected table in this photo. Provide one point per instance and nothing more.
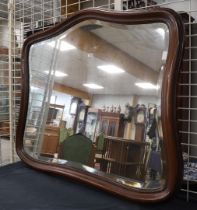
(23, 188)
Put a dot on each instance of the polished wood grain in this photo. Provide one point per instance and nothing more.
(168, 103)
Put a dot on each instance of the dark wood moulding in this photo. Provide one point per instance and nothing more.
(168, 102)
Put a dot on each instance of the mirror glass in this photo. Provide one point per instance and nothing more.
(95, 101)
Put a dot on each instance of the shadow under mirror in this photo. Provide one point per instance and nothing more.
(95, 101)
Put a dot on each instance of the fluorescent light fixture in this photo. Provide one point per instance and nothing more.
(164, 55)
(89, 169)
(63, 46)
(161, 32)
(90, 55)
(52, 44)
(111, 69)
(57, 73)
(53, 99)
(33, 88)
(93, 86)
(146, 85)
(63, 36)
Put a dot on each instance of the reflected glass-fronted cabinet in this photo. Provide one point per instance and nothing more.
(91, 123)
(107, 123)
(81, 118)
(111, 124)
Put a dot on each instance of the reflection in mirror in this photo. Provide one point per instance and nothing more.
(94, 101)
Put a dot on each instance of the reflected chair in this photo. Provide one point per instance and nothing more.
(77, 148)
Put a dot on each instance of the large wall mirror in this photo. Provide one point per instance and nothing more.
(98, 101)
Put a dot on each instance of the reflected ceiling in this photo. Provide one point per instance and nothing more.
(146, 53)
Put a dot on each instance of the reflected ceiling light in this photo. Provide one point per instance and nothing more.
(93, 86)
(34, 88)
(161, 32)
(52, 44)
(57, 73)
(63, 36)
(89, 169)
(164, 55)
(64, 46)
(60, 74)
(111, 69)
(146, 85)
(90, 55)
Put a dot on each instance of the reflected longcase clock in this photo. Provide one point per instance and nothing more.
(140, 118)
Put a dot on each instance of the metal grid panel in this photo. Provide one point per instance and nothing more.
(31, 16)
(9, 83)
(4, 86)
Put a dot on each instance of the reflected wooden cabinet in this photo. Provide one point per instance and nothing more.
(4, 129)
(107, 123)
(111, 124)
(50, 142)
(123, 157)
(139, 132)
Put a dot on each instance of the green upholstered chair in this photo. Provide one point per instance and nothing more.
(65, 133)
(77, 148)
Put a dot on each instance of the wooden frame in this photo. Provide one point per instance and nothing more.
(168, 102)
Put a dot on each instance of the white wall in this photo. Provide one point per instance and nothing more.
(148, 99)
(98, 101)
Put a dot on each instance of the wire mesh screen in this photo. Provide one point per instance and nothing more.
(32, 16)
(4, 86)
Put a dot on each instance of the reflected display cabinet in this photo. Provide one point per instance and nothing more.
(50, 141)
(92, 123)
(111, 124)
(106, 123)
(127, 158)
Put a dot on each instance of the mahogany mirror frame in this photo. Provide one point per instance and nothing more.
(168, 102)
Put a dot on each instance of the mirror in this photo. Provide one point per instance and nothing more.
(100, 104)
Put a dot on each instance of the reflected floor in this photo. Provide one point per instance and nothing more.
(148, 183)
